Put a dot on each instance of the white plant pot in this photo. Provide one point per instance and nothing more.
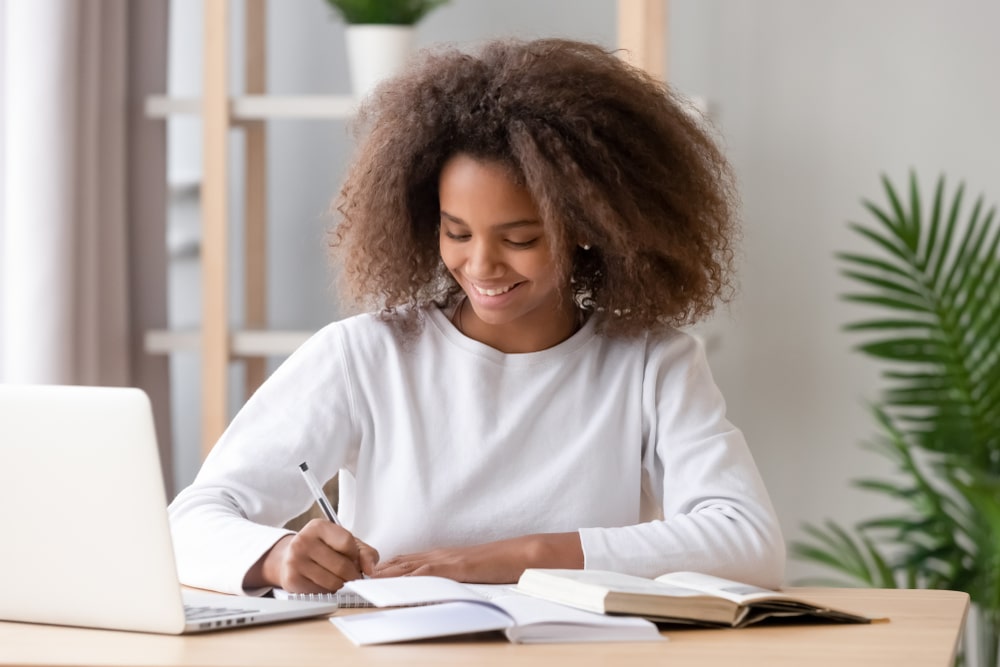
(375, 52)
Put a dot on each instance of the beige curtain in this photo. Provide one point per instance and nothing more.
(82, 236)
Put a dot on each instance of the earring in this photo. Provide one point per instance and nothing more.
(585, 246)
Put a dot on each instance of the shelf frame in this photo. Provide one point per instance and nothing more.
(243, 343)
(260, 107)
(641, 31)
(255, 193)
(215, 224)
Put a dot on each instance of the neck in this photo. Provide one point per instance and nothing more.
(533, 334)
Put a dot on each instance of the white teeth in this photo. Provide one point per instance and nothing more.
(494, 292)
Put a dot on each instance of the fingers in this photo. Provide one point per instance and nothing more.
(443, 563)
(491, 563)
(394, 568)
(321, 557)
(367, 557)
(310, 577)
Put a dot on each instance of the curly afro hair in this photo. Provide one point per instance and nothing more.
(612, 158)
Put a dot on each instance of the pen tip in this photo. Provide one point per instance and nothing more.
(304, 466)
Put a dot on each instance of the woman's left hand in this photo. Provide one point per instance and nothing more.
(491, 563)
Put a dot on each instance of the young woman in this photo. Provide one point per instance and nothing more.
(528, 226)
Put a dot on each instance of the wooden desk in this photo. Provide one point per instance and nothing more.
(924, 629)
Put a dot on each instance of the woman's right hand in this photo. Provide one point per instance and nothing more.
(317, 559)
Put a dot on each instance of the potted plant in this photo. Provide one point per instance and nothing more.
(935, 282)
(380, 36)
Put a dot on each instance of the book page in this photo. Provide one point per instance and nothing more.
(411, 591)
(524, 620)
(735, 591)
(554, 582)
(537, 620)
(424, 622)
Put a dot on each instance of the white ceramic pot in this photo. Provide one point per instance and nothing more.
(375, 52)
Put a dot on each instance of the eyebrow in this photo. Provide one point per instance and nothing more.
(503, 225)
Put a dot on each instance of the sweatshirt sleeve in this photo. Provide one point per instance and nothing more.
(717, 517)
(250, 485)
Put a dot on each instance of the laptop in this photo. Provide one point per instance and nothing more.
(83, 513)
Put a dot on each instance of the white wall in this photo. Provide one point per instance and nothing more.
(815, 100)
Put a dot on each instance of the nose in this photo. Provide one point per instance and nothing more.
(485, 259)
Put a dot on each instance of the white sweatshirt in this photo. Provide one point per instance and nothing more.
(445, 441)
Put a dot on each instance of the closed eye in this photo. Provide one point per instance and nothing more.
(522, 244)
(457, 237)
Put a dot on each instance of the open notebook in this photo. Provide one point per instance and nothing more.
(348, 599)
(432, 607)
(84, 519)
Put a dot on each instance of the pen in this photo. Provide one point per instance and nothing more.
(317, 492)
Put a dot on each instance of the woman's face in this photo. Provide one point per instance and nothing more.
(493, 243)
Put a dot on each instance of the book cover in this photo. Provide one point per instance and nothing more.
(678, 597)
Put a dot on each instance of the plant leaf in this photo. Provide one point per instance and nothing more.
(884, 283)
(891, 325)
(934, 288)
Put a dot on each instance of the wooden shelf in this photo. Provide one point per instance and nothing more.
(260, 107)
(242, 343)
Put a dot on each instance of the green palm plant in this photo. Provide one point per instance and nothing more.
(934, 279)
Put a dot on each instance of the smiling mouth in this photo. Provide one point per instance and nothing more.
(497, 291)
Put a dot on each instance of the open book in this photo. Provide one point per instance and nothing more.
(678, 597)
(438, 607)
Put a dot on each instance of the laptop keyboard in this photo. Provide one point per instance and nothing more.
(197, 613)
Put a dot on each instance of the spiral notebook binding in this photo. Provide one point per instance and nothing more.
(344, 599)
